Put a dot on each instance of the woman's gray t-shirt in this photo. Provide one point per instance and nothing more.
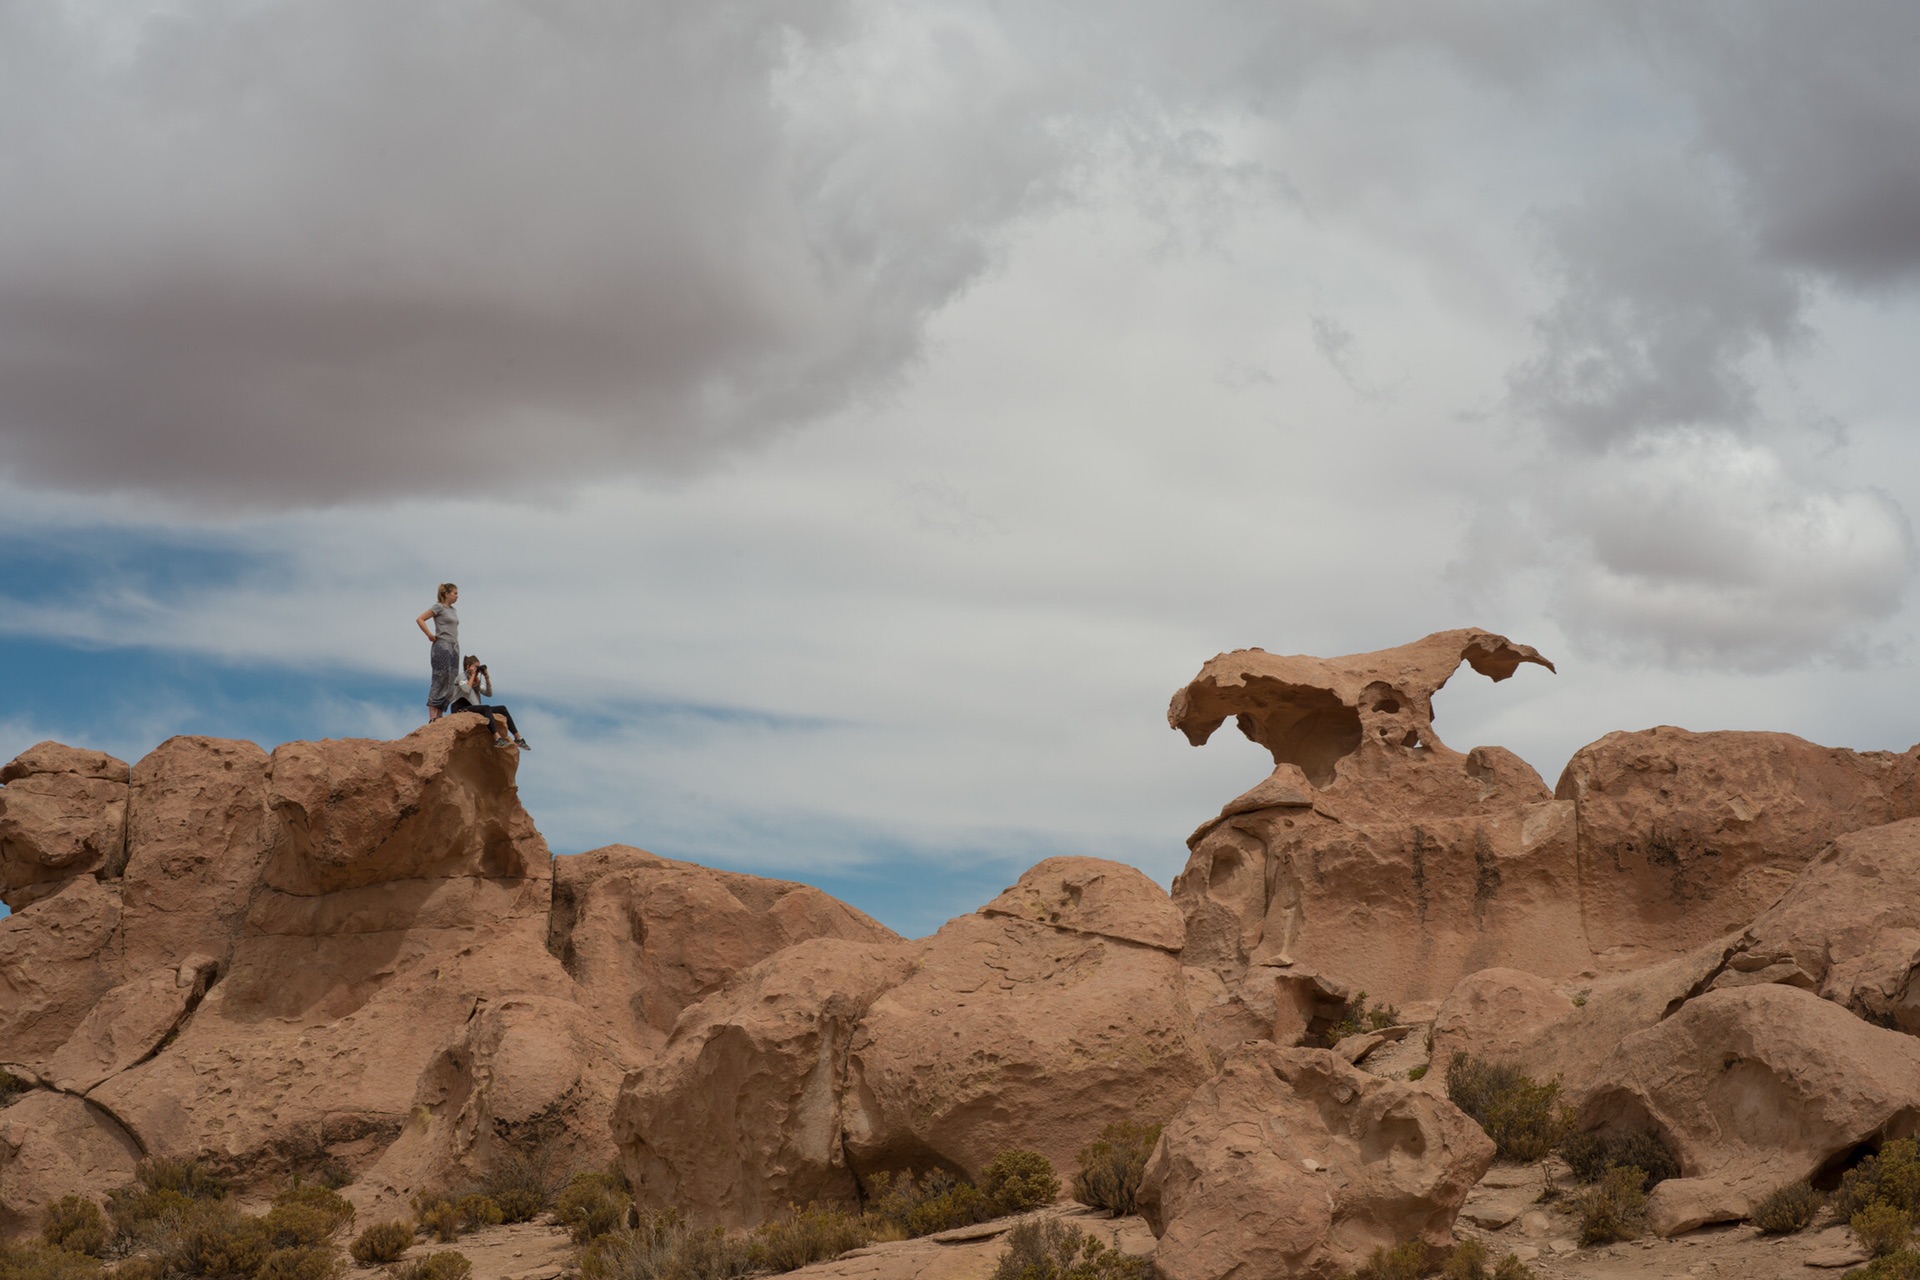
(446, 626)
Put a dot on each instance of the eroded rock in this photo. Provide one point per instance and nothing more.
(1292, 1163)
(63, 813)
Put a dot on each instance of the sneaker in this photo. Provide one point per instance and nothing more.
(523, 744)
(502, 742)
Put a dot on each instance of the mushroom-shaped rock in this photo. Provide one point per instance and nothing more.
(1686, 836)
(63, 813)
(1314, 712)
(1374, 854)
(744, 1111)
(647, 936)
(1754, 1088)
(1011, 1033)
(1291, 1163)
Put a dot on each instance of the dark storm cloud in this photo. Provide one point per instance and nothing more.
(312, 251)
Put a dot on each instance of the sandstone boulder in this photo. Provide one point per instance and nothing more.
(1846, 929)
(1015, 1034)
(128, 1024)
(1293, 1164)
(1091, 895)
(647, 936)
(197, 841)
(744, 1113)
(55, 962)
(54, 1145)
(1687, 836)
(1494, 1015)
(1754, 1088)
(63, 813)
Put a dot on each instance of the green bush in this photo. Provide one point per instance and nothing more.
(592, 1205)
(144, 1267)
(1890, 1177)
(921, 1206)
(1409, 1261)
(1018, 1181)
(438, 1218)
(382, 1242)
(1904, 1265)
(143, 1215)
(1469, 1262)
(1882, 1229)
(1357, 1017)
(665, 1248)
(301, 1226)
(11, 1087)
(76, 1224)
(1111, 1167)
(321, 1199)
(448, 1264)
(1053, 1250)
(478, 1211)
(216, 1240)
(1590, 1155)
(1614, 1208)
(520, 1186)
(802, 1237)
(303, 1262)
(188, 1177)
(1418, 1073)
(1792, 1208)
(38, 1260)
(1523, 1117)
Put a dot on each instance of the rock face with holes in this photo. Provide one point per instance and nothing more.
(63, 812)
(1294, 1163)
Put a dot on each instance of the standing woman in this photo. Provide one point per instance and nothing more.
(445, 638)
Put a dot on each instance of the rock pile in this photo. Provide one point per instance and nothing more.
(361, 957)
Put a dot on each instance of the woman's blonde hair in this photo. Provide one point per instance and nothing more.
(446, 587)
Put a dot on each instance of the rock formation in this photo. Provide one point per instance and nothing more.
(362, 955)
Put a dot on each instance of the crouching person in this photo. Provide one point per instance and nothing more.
(471, 694)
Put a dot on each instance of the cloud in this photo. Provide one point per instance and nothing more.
(310, 251)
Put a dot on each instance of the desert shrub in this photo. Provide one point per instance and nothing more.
(140, 1214)
(478, 1211)
(1468, 1261)
(144, 1267)
(1409, 1261)
(302, 1262)
(1419, 1072)
(188, 1177)
(592, 1205)
(11, 1087)
(76, 1224)
(665, 1248)
(1614, 1208)
(38, 1260)
(1891, 1177)
(300, 1225)
(1359, 1016)
(1792, 1208)
(1111, 1167)
(1904, 1265)
(381, 1242)
(1522, 1116)
(921, 1206)
(1053, 1250)
(1017, 1181)
(448, 1264)
(438, 1218)
(216, 1240)
(320, 1198)
(805, 1236)
(1590, 1155)
(520, 1186)
(1882, 1229)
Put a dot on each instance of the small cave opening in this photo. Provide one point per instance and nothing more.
(1303, 726)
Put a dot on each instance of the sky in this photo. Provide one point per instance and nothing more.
(849, 423)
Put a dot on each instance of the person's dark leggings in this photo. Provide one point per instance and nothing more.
(461, 704)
